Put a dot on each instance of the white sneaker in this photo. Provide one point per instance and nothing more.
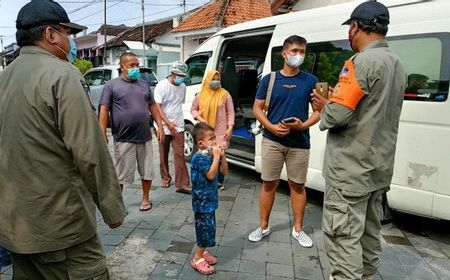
(302, 238)
(258, 234)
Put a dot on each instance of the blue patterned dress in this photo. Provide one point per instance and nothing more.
(4, 258)
(204, 200)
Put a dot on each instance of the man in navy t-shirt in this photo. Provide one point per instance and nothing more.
(286, 136)
(128, 100)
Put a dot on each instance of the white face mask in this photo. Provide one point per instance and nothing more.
(295, 61)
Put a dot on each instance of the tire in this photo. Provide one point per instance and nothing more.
(386, 214)
(189, 144)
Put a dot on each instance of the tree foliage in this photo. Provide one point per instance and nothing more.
(83, 65)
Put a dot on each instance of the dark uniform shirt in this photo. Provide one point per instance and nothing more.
(360, 150)
(54, 163)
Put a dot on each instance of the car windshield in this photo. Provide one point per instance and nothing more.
(149, 76)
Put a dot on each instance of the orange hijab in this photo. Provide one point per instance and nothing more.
(210, 100)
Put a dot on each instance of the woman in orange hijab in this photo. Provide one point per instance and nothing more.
(214, 106)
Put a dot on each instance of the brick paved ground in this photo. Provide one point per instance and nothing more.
(159, 244)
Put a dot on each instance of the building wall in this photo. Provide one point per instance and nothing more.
(310, 4)
(168, 38)
(189, 46)
(166, 58)
(101, 38)
(86, 43)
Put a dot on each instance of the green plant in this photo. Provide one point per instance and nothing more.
(83, 65)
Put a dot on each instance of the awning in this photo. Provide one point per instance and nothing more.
(137, 48)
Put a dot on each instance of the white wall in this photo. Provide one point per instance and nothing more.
(309, 4)
(189, 46)
(168, 38)
(101, 38)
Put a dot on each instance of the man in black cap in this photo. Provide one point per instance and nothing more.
(54, 164)
(362, 118)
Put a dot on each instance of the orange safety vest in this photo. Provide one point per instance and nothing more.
(347, 92)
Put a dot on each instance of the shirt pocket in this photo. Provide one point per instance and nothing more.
(335, 218)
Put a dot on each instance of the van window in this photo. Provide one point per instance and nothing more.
(424, 58)
(197, 65)
(422, 55)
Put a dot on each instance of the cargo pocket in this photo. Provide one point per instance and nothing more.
(96, 270)
(335, 218)
(51, 257)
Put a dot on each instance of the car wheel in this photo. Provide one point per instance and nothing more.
(189, 143)
(386, 213)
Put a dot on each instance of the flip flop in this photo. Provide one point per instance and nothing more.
(202, 267)
(141, 208)
(165, 186)
(186, 190)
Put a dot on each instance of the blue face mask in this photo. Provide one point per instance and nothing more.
(72, 54)
(178, 80)
(133, 74)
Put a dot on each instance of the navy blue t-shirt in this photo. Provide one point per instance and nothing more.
(129, 102)
(290, 98)
(204, 192)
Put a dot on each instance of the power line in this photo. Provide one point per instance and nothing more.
(97, 12)
(84, 6)
(130, 19)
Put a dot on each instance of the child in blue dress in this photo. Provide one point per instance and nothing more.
(205, 165)
(4, 259)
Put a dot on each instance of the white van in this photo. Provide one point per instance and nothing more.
(419, 33)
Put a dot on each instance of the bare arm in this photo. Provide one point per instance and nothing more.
(276, 129)
(172, 127)
(299, 125)
(157, 118)
(103, 120)
(223, 165)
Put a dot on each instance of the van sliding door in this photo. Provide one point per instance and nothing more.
(240, 62)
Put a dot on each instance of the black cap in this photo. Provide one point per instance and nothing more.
(370, 12)
(42, 12)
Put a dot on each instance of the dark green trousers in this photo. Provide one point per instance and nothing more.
(351, 225)
(80, 262)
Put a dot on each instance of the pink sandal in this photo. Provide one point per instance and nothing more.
(210, 259)
(202, 267)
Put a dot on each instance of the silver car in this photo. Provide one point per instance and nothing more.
(96, 79)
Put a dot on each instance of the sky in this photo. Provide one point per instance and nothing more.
(90, 12)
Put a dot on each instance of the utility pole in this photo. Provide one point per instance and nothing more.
(184, 6)
(143, 35)
(3, 60)
(104, 31)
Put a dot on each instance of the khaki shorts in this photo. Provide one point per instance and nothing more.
(274, 155)
(126, 156)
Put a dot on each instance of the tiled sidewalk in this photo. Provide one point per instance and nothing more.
(158, 244)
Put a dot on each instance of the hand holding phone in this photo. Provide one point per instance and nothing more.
(322, 89)
(289, 120)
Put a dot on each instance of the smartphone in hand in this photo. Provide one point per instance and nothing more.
(322, 89)
(289, 120)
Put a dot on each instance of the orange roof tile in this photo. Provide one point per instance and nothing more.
(236, 12)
